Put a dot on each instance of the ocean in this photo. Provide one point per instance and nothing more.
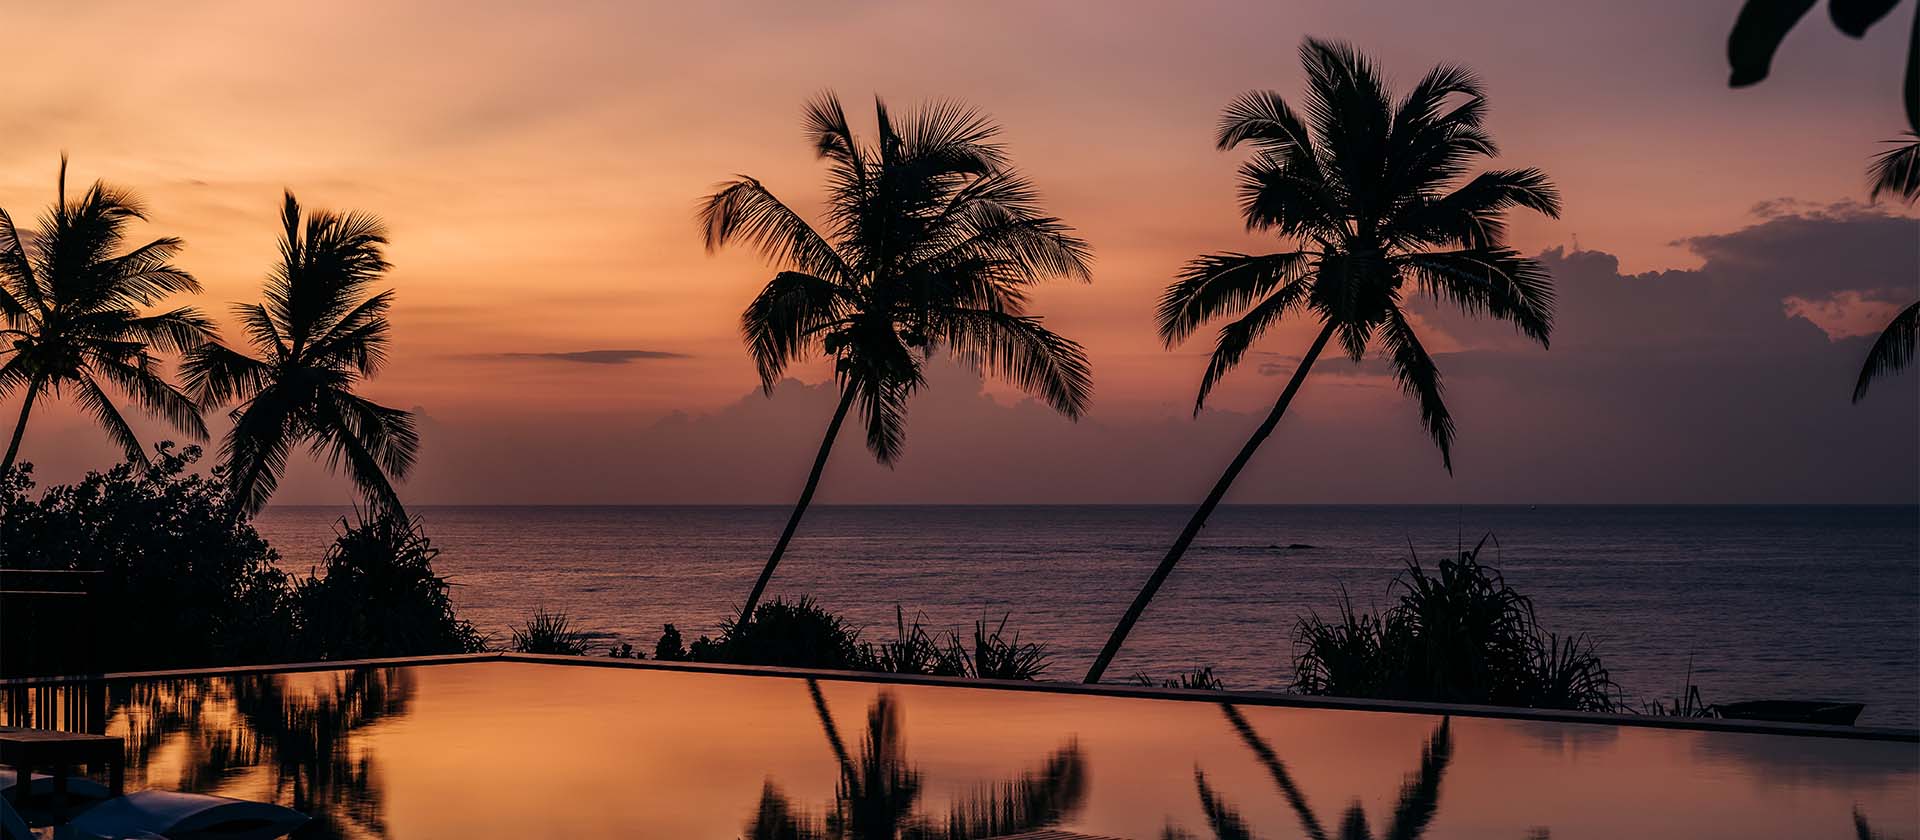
(1752, 602)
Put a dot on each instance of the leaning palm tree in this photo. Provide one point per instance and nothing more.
(1371, 194)
(1898, 172)
(70, 315)
(317, 339)
(930, 241)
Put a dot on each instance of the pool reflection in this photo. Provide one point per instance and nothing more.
(486, 749)
(879, 791)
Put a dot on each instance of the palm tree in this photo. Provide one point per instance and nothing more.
(931, 239)
(70, 311)
(316, 338)
(1896, 171)
(1370, 193)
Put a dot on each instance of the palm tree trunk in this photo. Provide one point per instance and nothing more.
(1199, 519)
(800, 509)
(20, 428)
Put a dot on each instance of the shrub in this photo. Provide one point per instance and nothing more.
(914, 650)
(380, 596)
(179, 585)
(1200, 677)
(550, 632)
(669, 648)
(798, 634)
(996, 656)
(1461, 635)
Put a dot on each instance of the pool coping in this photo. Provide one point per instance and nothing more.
(1247, 698)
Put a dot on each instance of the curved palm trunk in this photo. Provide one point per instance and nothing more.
(1199, 519)
(20, 428)
(800, 508)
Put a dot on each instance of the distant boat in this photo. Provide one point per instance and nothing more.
(1792, 711)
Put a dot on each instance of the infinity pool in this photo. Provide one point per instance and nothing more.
(522, 749)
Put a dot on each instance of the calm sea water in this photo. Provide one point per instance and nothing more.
(1759, 602)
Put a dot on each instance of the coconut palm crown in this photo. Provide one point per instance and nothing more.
(71, 315)
(317, 336)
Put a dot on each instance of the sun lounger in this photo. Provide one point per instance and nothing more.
(181, 816)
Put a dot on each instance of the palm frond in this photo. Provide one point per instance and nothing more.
(95, 402)
(144, 384)
(787, 319)
(216, 374)
(257, 447)
(1236, 338)
(1897, 170)
(1223, 284)
(744, 209)
(1491, 281)
(342, 440)
(1026, 354)
(1892, 351)
(1420, 378)
(175, 331)
(883, 408)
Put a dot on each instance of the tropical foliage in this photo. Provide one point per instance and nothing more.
(71, 315)
(1459, 634)
(1372, 194)
(930, 241)
(177, 583)
(318, 337)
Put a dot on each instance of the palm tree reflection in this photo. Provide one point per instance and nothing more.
(1419, 794)
(878, 790)
(302, 735)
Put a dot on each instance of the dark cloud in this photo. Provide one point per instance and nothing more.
(596, 357)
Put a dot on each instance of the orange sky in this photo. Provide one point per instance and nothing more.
(539, 165)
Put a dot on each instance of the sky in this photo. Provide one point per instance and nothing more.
(566, 338)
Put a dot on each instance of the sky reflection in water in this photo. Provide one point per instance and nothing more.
(487, 749)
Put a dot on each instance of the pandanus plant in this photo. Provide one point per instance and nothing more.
(930, 242)
(1373, 196)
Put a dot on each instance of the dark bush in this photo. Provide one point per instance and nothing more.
(178, 585)
(669, 648)
(915, 650)
(550, 632)
(797, 634)
(380, 597)
(1459, 636)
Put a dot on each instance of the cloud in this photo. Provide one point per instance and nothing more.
(596, 357)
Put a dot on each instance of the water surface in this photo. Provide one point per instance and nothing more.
(1760, 602)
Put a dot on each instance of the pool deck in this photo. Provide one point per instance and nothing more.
(1247, 698)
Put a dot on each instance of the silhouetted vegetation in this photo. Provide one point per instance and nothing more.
(380, 597)
(932, 239)
(316, 340)
(1200, 677)
(803, 634)
(70, 317)
(549, 632)
(1457, 635)
(1373, 195)
(182, 585)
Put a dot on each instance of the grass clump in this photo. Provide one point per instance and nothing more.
(1200, 677)
(550, 633)
(1458, 634)
(803, 634)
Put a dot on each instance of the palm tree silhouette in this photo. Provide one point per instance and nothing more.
(1418, 802)
(930, 242)
(879, 791)
(1370, 192)
(71, 315)
(317, 339)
